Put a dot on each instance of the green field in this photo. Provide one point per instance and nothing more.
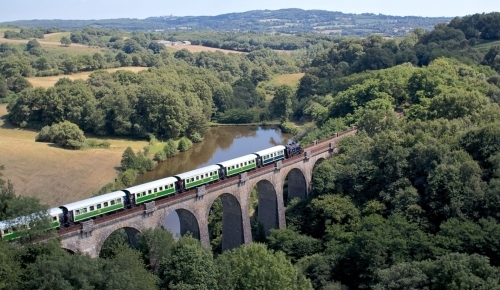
(3, 29)
(484, 47)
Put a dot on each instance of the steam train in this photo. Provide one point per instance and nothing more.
(114, 201)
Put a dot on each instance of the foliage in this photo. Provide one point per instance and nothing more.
(184, 144)
(170, 149)
(190, 267)
(237, 116)
(290, 128)
(256, 267)
(133, 161)
(155, 246)
(66, 134)
(196, 137)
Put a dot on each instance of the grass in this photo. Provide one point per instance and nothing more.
(56, 37)
(3, 29)
(288, 79)
(200, 48)
(484, 47)
(57, 176)
(47, 82)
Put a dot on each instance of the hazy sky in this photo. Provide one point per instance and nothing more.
(103, 9)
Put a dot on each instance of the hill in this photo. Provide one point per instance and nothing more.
(285, 21)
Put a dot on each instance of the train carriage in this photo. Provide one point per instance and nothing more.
(56, 215)
(88, 208)
(237, 165)
(197, 177)
(152, 190)
(8, 229)
(270, 155)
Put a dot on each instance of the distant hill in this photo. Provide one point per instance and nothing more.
(285, 21)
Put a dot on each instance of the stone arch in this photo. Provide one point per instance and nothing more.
(188, 223)
(318, 162)
(131, 235)
(69, 251)
(267, 205)
(232, 222)
(297, 184)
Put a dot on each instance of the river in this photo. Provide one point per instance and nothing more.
(220, 144)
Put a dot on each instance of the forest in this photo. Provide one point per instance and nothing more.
(412, 201)
(283, 21)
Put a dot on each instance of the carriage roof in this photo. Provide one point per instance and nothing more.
(150, 185)
(237, 160)
(270, 150)
(94, 200)
(199, 171)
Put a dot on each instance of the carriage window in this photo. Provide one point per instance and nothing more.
(77, 212)
(105, 204)
(54, 218)
(149, 191)
(161, 188)
(197, 177)
(155, 190)
(91, 208)
(112, 202)
(84, 210)
(98, 206)
(118, 200)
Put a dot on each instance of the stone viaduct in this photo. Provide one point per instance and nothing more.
(193, 207)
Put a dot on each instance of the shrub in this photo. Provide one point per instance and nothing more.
(184, 144)
(288, 127)
(160, 156)
(196, 137)
(237, 116)
(127, 178)
(91, 143)
(170, 149)
(66, 134)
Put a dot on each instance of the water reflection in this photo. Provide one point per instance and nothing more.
(220, 144)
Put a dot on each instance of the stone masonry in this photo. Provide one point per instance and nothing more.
(193, 207)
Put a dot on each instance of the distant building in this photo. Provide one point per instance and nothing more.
(174, 43)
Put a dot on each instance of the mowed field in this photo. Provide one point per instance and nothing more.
(47, 82)
(56, 176)
(199, 48)
(288, 79)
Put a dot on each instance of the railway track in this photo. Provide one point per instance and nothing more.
(315, 148)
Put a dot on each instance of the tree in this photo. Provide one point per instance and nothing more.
(129, 159)
(156, 246)
(34, 47)
(255, 267)
(189, 267)
(282, 104)
(66, 134)
(66, 41)
(127, 268)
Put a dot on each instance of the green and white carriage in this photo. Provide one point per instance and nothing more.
(198, 177)
(271, 155)
(10, 229)
(91, 207)
(152, 190)
(238, 165)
